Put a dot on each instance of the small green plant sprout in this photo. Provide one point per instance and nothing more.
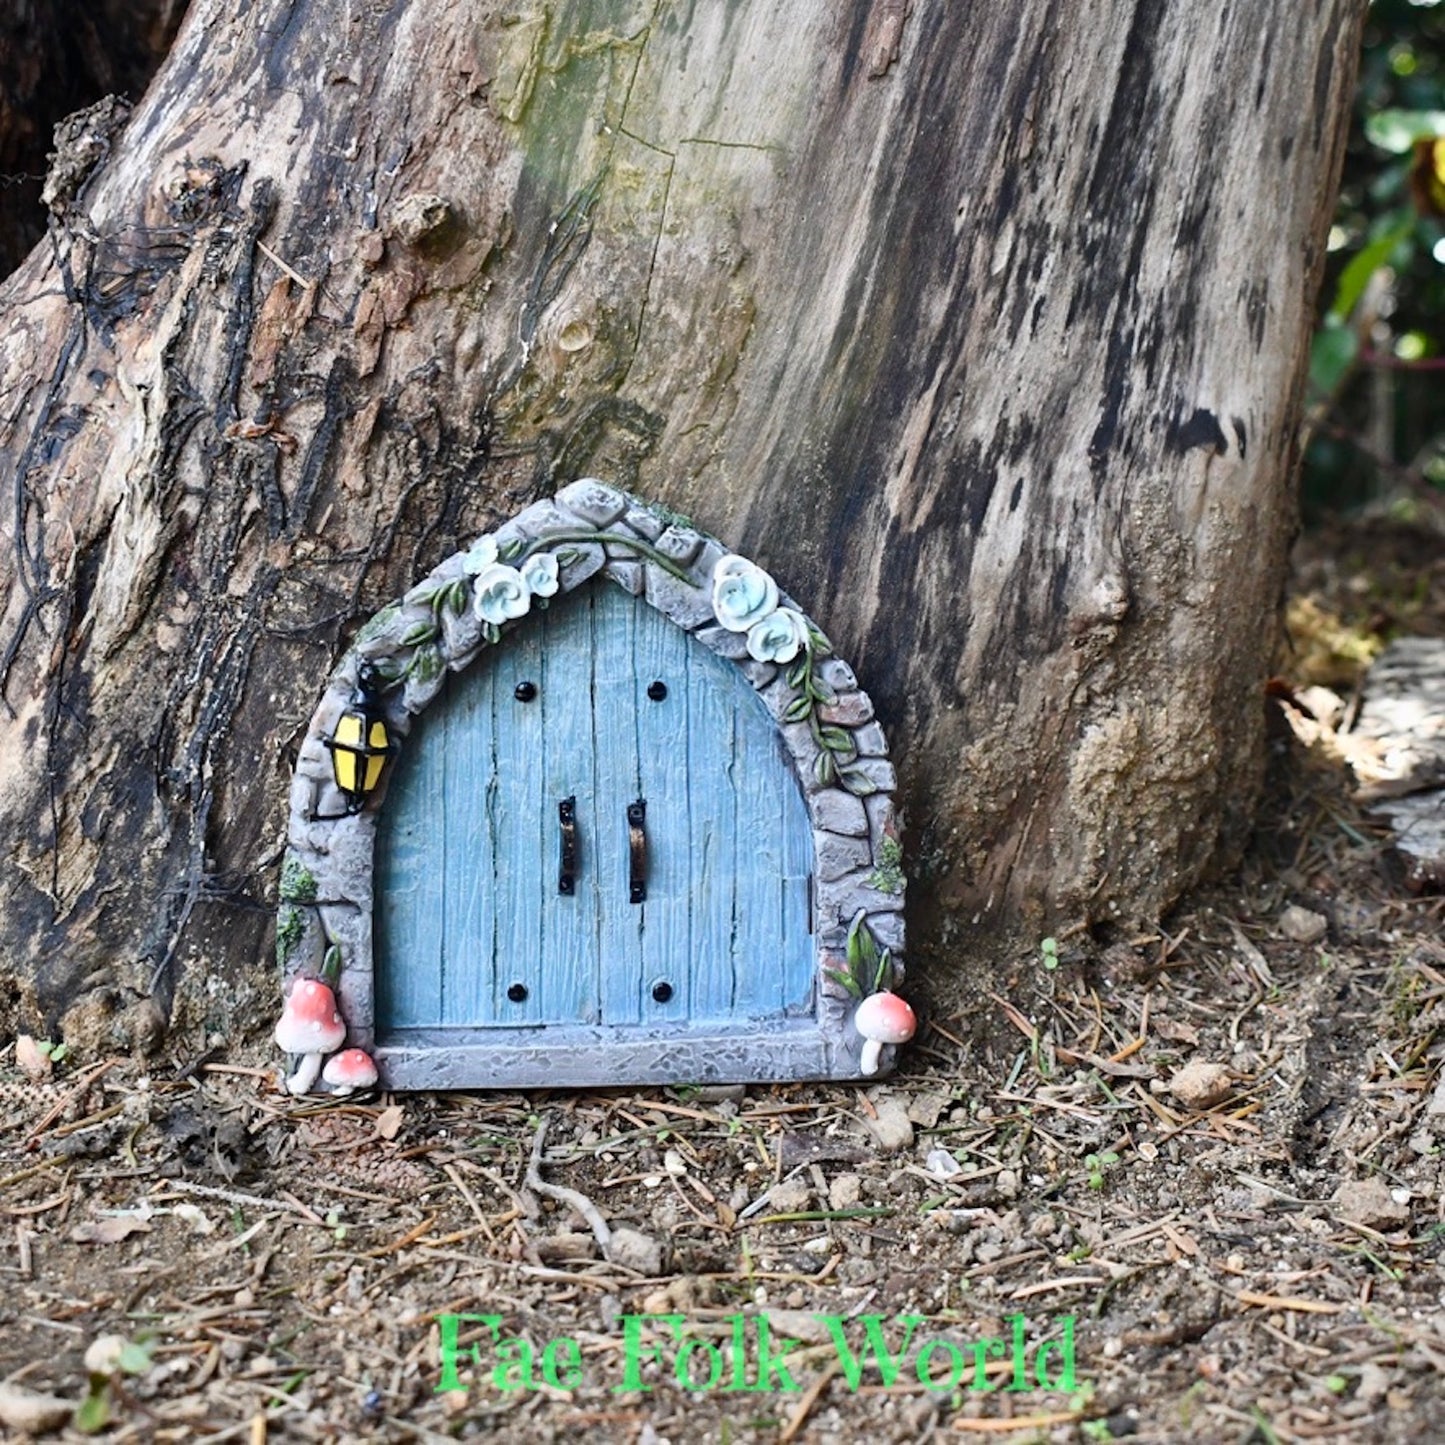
(1049, 953)
(1264, 1428)
(55, 1052)
(109, 1358)
(870, 968)
(1097, 1165)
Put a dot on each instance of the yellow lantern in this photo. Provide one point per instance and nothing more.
(360, 743)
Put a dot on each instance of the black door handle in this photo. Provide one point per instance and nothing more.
(637, 851)
(567, 876)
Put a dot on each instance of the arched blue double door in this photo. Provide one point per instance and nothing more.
(601, 703)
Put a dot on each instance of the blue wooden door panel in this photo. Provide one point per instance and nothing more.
(466, 909)
(712, 805)
(664, 767)
(614, 692)
(752, 852)
(757, 878)
(469, 840)
(519, 822)
(568, 760)
(408, 877)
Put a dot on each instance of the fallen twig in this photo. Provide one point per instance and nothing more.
(804, 1408)
(601, 1230)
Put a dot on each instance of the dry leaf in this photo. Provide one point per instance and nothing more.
(33, 1064)
(30, 1412)
(388, 1122)
(110, 1230)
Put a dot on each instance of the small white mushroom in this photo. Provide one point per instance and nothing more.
(310, 1026)
(882, 1018)
(350, 1070)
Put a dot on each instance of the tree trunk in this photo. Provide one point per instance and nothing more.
(982, 327)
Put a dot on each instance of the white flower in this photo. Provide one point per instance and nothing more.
(500, 594)
(778, 636)
(742, 593)
(539, 572)
(480, 555)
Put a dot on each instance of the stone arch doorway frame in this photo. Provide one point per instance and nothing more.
(830, 737)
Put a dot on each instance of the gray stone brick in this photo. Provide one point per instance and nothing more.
(303, 793)
(836, 855)
(460, 661)
(836, 907)
(840, 899)
(679, 544)
(461, 633)
(850, 709)
(345, 874)
(350, 929)
(704, 563)
(588, 559)
(384, 639)
(627, 575)
(418, 690)
(346, 925)
(870, 741)
(644, 523)
(330, 800)
(541, 519)
(314, 759)
(887, 930)
(879, 772)
(835, 811)
(593, 501)
(777, 696)
(882, 818)
(687, 606)
(800, 747)
(733, 645)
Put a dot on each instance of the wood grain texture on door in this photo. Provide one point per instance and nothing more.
(471, 928)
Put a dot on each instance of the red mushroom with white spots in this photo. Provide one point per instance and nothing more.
(350, 1070)
(882, 1018)
(311, 1027)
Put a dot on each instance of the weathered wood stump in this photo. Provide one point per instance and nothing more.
(981, 327)
(1401, 768)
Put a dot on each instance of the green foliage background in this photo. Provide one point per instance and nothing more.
(1376, 424)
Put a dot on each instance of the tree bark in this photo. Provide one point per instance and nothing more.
(982, 327)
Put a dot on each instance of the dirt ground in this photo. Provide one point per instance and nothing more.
(1250, 1252)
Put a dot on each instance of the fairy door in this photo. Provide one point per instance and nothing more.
(595, 825)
